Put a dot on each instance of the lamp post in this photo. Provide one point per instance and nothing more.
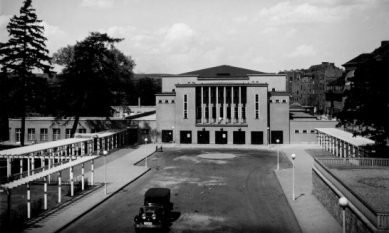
(146, 152)
(105, 170)
(343, 202)
(293, 157)
(278, 156)
(172, 135)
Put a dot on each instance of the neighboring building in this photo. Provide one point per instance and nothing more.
(125, 111)
(226, 105)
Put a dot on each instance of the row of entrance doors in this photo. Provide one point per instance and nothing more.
(221, 137)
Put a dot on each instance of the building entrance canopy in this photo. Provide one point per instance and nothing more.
(346, 136)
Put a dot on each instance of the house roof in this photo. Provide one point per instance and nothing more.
(359, 59)
(223, 71)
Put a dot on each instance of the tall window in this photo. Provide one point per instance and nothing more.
(18, 133)
(256, 106)
(185, 106)
(31, 134)
(56, 134)
(68, 133)
(81, 130)
(243, 112)
(221, 115)
(44, 133)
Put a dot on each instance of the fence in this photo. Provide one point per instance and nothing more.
(380, 220)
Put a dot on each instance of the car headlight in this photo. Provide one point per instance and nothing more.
(154, 216)
(143, 216)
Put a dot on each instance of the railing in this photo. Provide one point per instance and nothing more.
(379, 220)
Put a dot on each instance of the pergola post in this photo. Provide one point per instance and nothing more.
(21, 167)
(45, 193)
(8, 167)
(92, 171)
(28, 201)
(71, 182)
(82, 178)
(32, 163)
(28, 166)
(49, 167)
(82, 149)
(59, 186)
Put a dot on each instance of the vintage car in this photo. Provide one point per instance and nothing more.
(156, 210)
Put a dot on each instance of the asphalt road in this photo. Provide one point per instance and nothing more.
(241, 194)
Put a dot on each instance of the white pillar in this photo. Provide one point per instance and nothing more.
(92, 172)
(217, 105)
(50, 165)
(28, 166)
(9, 167)
(71, 182)
(32, 163)
(202, 105)
(45, 193)
(82, 178)
(59, 186)
(232, 104)
(209, 105)
(28, 201)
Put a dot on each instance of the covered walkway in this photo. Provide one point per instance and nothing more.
(341, 143)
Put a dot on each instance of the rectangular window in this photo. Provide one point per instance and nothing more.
(243, 112)
(18, 134)
(236, 113)
(221, 112)
(56, 134)
(313, 131)
(283, 101)
(160, 101)
(277, 101)
(296, 131)
(173, 101)
(31, 134)
(166, 101)
(185, 106)
(256, 106)
(44, 134)
(305, 131)
(82, 131)
(68, 133)
(207, 112)
(198, 116)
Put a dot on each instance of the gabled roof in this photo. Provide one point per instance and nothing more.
(223, 71)
(359, 59)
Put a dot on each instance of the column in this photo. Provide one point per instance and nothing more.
(239, 106)
(232, 104)
(45, 193)
(82, 148)
(225, 104)
(217, 105)
(28, 201)
(32, 163)
(59, 186)
(71, 182)
(202, 105)
(82, 177)
(209, 105)
(28, 166)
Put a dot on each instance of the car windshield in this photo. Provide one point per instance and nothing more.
(152, 208)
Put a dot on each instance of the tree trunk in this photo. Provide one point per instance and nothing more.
(23, 94)
(75, 124)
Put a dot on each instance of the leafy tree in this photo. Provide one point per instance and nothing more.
(146, 88)
(94, 77)
(367, 104)
(25, 51)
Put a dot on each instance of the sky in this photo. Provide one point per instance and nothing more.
(177, 36)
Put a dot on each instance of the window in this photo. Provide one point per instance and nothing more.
(305, 131)
(160, 101)
(31, 134)
(18, 133)
(313, 131)
(273, 89)
(296, 131)
(56, 134)
(82, 131)
(44, 133)
(277, 101)
(221, 112)
(256, 112)
(94, 130)
(243, 112)
(271, 101)
(283, 101)
(166, 101)
(68, 133)
(185, 106)
(173, 101)
(236, 113)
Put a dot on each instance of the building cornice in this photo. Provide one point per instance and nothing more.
(222, 84)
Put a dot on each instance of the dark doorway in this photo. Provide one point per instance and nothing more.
(257, 137)
(167, 135)
(185, 137)
(95, 144)
(239, 137)
(277, 135)
(132, 136)
(221, 137)
(203, 137)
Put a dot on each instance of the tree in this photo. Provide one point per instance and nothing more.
(94, 77)
(146, 89)
(25, 51)
(367, 104)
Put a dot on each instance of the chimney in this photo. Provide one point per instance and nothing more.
(138, 101)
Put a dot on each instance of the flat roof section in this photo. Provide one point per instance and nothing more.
(346, 136)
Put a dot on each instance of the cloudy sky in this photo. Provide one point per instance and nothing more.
(176, 36)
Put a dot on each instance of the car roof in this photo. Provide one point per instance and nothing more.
(157, 192)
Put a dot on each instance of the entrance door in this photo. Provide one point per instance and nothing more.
(221, 137)
(186, 137)
(239, 137)
(203, 137)
(167, 135)
(257, 137)
(277, 135)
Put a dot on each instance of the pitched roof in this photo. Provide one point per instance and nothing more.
(359, 59)
(223, 71)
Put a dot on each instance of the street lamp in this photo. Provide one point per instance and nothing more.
(293, 157)
(343, 202)
(278, 156)
(105, 170)
(146, 152)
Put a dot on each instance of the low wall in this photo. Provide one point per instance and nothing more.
(330, 199)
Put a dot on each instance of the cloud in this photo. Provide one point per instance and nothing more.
(52, 32)
(302, 51)
(261, 60)
(97, 3)
(4, 20)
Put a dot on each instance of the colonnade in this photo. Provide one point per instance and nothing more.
(338, 147)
